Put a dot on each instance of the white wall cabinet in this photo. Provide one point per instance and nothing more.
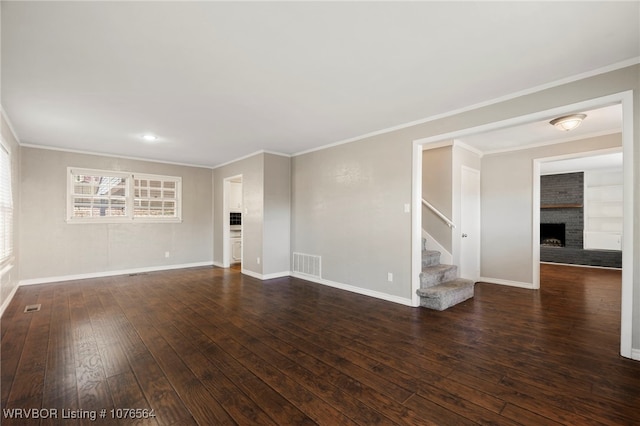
(236, 249)
(235, 196)
(603, 209)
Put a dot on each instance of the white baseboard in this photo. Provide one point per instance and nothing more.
(341, 286)
(581, 266)
(635, 354)
(354, 289)
(218, 264)
(103, 274)
(445, 257)
(8, 300)
(266, 276)
(506, 282)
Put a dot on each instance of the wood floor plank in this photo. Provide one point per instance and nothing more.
(526, 398)
(158, 389)
(236, 405)
(189, 388)
(60, 386)
(291, 390)
(248, 383)
(526, 417)
(212, 346)
(93, 390)
(13, 338)
(360, 391)
(27, 389)
(399, 412)
(584, 403)
(126, 393)
(435, 412)
(114, 360)
(241, 408)
(368, 368)
(267, 348)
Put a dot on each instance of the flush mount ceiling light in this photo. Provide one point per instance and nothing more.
(149, 137)
(568, 122)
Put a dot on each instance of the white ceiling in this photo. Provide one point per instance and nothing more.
(219, 80)
(594, 162)
(605, 120)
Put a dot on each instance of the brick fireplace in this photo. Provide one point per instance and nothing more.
(562, 223)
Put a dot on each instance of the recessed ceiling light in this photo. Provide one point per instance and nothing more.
(149, 137)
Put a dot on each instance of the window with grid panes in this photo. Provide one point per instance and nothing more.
(105, 196)
(155, 196)
(6, 206)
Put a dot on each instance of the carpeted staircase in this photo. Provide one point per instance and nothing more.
(440, 286)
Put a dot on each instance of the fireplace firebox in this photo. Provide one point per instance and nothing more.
(552, 234)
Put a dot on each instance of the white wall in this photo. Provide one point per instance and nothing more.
(265, 218)
(507, 206)
(53, 249)
(347, 199)
(252, 171)
(437, 189)
(348, 207)
(277, 215)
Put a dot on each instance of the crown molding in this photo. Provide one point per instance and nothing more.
(9, 125)
(253, 154)
(102, 154)
(511, 96)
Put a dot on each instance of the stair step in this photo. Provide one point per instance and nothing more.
(447, 294)
(430, 258)
(438, 274)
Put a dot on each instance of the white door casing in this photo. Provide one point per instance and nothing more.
(227, 199)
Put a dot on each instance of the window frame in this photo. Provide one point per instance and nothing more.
(8, 246)
(178, 197)
(129, 197)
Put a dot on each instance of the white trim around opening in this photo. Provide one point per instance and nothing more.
(624, 98)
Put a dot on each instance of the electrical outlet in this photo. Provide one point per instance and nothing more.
(407, 208)
(258, 261)
(390, 277)
(167, 254)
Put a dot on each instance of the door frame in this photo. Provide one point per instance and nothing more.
(626, 100)
(226, 231)
(537, 163)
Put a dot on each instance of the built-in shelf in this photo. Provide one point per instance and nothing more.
(603, 209)
(561, 206)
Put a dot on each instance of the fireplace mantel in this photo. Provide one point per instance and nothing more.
(561, 206)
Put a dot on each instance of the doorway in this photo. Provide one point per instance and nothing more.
(580, 202)
(232, 225)
(623, 98)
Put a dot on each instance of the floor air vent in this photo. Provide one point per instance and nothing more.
(33, 308)
(307, 264)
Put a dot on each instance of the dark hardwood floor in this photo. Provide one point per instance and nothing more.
(209, 346)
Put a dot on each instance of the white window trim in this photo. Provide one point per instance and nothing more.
(178, 199)
(6, 263)
(129, 194)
